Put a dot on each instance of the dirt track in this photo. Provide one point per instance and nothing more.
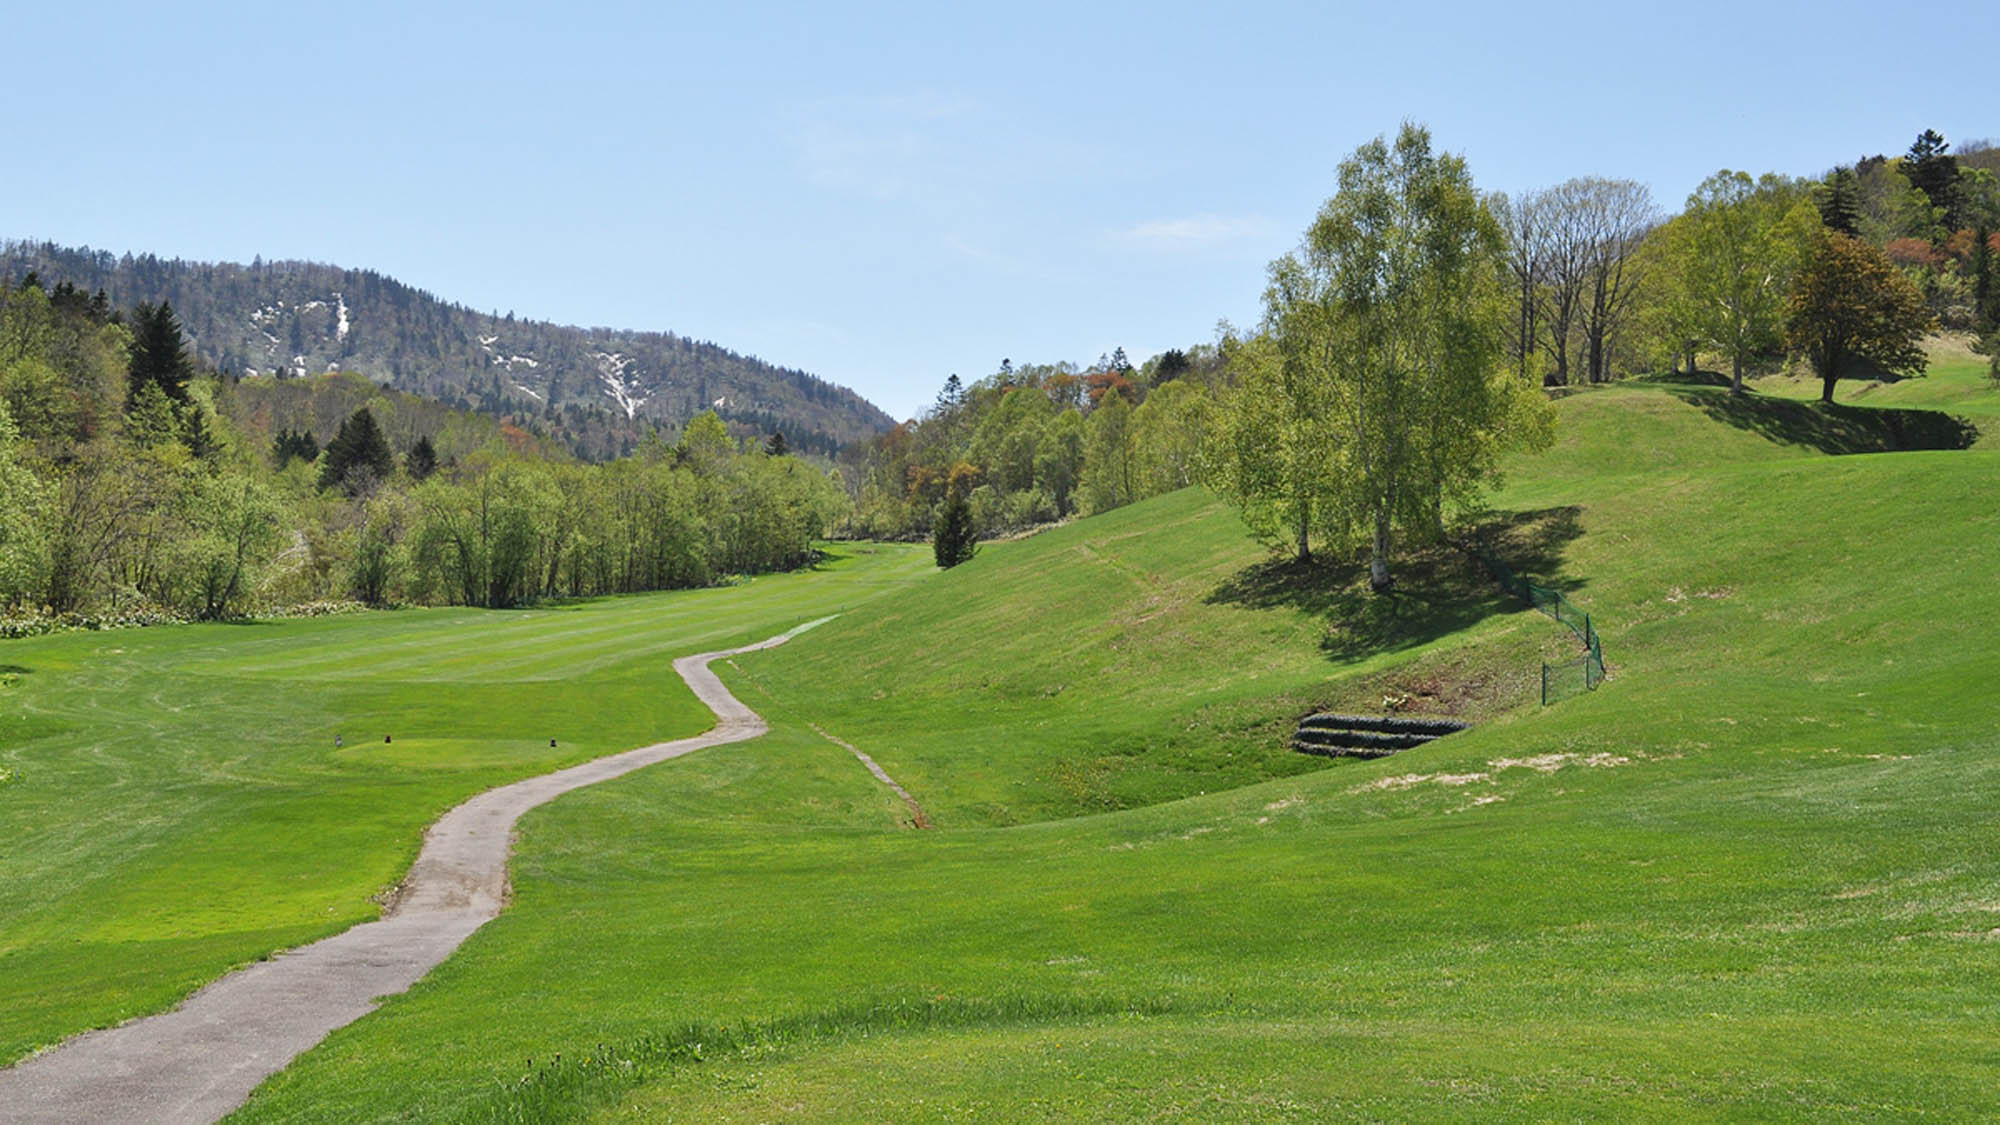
(202, 1060)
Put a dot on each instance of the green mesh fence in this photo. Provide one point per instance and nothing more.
(1559, 681)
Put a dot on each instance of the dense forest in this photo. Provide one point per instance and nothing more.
(597, 391)
(1589, 281)
(136, 486)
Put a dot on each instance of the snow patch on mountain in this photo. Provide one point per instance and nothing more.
(340, 329)
(613, 368)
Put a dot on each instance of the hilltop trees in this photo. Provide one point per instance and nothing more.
(1850, 304)
(1388, 327)
(1934, 171)
(1268, 452)
(1732, 253)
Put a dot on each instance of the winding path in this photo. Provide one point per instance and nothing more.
(202, 1060)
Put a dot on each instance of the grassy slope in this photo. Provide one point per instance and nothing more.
(179, 805)
(1744, 878)
(1956, 382)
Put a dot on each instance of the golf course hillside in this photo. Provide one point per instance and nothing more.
(1957, 380)
(1747, 876)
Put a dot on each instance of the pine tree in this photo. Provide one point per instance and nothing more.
(195, 435)
(776, 446)
(422, 461)
(149, 417)
(358, 456)
(1839, 202)
(1935, 173)
(159, 353)
(953, 394)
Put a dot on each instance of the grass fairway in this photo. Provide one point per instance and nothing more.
(1748, 878)
(178, 805)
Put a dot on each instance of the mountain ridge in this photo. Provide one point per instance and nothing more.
(296, 318)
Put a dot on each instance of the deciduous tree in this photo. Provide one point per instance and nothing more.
(1390, 312)
(1742, 240)
(1847, 304)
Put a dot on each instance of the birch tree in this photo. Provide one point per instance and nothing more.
(1389, 323)
(1742, 240)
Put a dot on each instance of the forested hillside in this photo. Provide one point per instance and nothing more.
(597, 389)
(136, 486)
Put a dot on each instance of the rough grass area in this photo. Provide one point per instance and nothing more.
(177, 804)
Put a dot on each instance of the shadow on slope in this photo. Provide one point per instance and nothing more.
(1439, 588)
(1836, 429)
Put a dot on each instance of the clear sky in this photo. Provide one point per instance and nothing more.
(888, 194)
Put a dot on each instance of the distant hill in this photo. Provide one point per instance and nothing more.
(598, 388)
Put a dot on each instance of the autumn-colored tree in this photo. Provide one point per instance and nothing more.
(1849, 303)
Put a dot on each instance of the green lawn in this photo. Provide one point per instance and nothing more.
(1749, 877)
(178, 805)
(1956, 382)
(1743, 879)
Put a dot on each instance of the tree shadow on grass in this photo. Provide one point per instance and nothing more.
(1440, 588)
(1835, 428)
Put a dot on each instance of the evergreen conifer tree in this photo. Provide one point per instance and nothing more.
(358, 456)
(149, 416)
(1934, 172)
(1839, 202)
(423, 459)
(955, 540)
(776, 446)
(159, 353)
(195, 434)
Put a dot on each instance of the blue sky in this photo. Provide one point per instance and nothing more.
(887, 194)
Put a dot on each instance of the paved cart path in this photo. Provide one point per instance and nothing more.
(201, 1060)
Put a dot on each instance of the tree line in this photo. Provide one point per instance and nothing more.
(1399, 344)
(136, 483)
